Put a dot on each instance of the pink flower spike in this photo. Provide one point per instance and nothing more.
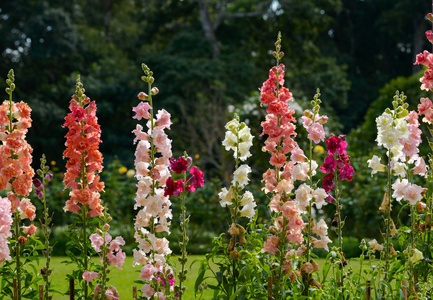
(142, 111)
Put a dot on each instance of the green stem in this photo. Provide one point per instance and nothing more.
(86, 262)
(184, 240)
(388, 222)
(104, 269)
(47, 243)
(17, 220)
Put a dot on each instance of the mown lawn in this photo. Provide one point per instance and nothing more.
(124, 280)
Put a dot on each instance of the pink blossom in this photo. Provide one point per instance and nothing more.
(163, 119)
(111, 293)
(116, 259)
(142, 111)
(89, 276)
(116, 243)
(316, 133)
(27, 209)
(147, 272)
(420, 167)
(429, 35)
(96, 241)
(413, 193)
(271, 245)
(297, 155)
(322, 243)
(399, 187)
(147, 291)
(427, 80)
(139, 134)
(29, 230)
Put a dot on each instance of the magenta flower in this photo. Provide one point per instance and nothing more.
(196, 180)
(179, 166)
(336, 144)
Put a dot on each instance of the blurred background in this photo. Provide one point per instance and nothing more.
(209, 58)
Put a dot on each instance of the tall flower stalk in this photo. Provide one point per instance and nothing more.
(238, 138)
(337, 168)
(426, 108)
(16, 176)
(40, 190)
(181, 188)
(279, 128)
(83, 166)
(398, 132)
(152, 159)
(307, 195)
(110, 254)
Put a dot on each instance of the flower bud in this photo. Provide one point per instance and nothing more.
(421, 206)
(154, 91)
(143, 96)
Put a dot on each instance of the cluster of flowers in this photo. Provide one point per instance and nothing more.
(279, 128)
(304, 169)
(156, 277)
(336, 163)
(16, 172)
(399, 133)
(180, 166)
(152, 172)
(84, 157)
(115, 255)
(239, 139)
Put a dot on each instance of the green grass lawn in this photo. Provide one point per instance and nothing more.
(124, 280)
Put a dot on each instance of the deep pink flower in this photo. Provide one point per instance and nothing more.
(328, 165)
(173, 188)
(179, 165)
(336, 144)
(328, 182)
(196, 180)
(346, 173)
